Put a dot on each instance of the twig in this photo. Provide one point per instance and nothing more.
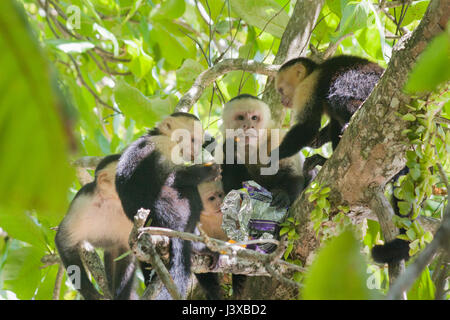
(83, 82)
(58, 282)
(383, 209)
(142, 243)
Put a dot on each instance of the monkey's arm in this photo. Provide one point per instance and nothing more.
(299, 136)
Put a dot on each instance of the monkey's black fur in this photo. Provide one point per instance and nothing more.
(398, 249)
(342, 86)
(144, 181)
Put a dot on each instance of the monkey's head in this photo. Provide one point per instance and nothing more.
(105, 176)
(186, 130)
(248, 113)
(290, 75)
(212, 195)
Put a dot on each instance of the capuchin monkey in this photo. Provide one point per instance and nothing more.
(212, 195)
(246, 115)
(149, 176)
(336, 87)
(96, 215)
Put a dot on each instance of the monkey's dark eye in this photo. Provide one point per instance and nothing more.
(280, 90)
(212, 198)
(254, 118)
(240, 117)
(221, 195)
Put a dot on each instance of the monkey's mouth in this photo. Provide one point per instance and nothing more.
(286, 102)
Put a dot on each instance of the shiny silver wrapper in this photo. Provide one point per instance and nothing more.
(252, 202)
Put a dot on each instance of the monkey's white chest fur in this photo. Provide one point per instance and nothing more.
(101, 222)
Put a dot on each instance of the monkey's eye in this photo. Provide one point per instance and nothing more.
(221, 195)
(240, 117)
(280, 90)
(212, 198)
(254, 118)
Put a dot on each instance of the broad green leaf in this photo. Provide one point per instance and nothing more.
(34, 169)
(21, 226)
(266, 15)
(354, 17)
(141, 63)
(433, 66)
(21, 272)
(187, 74)
(423, 288)
(146, 111)
(338, 272)
(170, 9)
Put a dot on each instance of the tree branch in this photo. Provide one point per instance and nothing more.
(208, 76)
(383, 209)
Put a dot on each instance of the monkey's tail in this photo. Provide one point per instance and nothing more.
(398, 249)
(180, 270)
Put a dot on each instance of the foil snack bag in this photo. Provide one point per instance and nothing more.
(247, 215)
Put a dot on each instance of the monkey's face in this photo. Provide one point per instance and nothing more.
(287, 80)
(212, 195)
(187, 133)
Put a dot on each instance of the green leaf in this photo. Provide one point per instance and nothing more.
(145, 111)
(409, 117)
(170, 9)
(423, 288)
(141, 63)
(338, 272)
(34, 125)
(187, 74)
(263, 14)
(21, 272)
(433, 66)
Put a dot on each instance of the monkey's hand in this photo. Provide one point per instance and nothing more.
(311, 162)
(202, 172)
(201, 249)
(280, 199)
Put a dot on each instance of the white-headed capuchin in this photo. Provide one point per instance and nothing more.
(147, 177)
(212, 195)
(96, 215)
(336, 87)
(248, 115)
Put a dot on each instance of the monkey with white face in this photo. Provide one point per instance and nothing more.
(249, 115)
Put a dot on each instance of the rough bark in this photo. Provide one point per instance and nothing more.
(294, 43)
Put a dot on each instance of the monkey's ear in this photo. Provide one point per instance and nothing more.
(104, 178)
(300, 70)
(167, 125)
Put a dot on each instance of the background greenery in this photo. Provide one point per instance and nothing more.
(88, 87)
